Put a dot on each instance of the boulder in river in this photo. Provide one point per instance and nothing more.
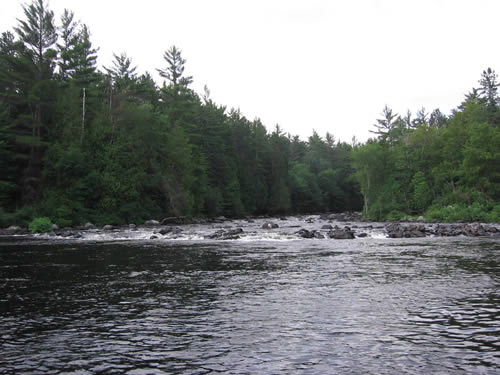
(318, 235)
(341, 234)
(107, 227)
(177, 220)
(232, 234)
(491, 229)
(269, 225)
(304, 233)
(343, 216)
(218, 220)
(461, 229)
(398, 230)
(151, 223)
(88, 226)
(170, 230)
(14, 229)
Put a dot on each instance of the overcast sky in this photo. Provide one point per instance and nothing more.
(303, 64)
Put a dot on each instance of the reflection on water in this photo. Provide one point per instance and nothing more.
(374, 306)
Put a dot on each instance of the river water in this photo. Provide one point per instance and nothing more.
(260, 306)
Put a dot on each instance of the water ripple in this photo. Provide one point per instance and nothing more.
(371, 307)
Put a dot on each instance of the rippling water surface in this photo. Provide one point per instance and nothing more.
(373, 306)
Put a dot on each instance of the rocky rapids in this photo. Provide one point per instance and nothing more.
(344, 226)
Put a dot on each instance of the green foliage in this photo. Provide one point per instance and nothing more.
(452, 163)
(421, 192)
(481, 162)
(457, 212)
(494, 215)
(396, 215)
(305, 190)
(139, 151)
(40, 225)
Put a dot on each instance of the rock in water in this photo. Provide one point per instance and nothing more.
(304, 233)
(88, 226)
(318, 235)
(178, 220)
(222, 234)
(170, 230)
(341, 234)
(270, 225)
(397, 230)
(14, 229)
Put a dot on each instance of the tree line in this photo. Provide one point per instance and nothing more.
(110, 146)
(446, 168)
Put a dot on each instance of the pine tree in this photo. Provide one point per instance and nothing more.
(489, 88)
(175, 68)
(38, 34)
(69, 38)
(123, 73)
(83, 59)
(386, 124)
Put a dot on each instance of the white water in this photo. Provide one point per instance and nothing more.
(252, 231)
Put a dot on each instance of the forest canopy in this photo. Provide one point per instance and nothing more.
(111, 146)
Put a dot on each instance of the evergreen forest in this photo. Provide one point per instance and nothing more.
(110, 146)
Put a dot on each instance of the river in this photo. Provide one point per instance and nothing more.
(258, 305)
